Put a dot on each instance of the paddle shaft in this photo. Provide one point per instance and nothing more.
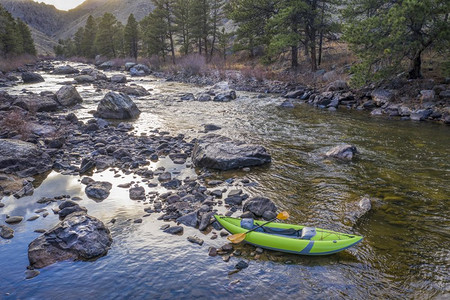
(261, 225)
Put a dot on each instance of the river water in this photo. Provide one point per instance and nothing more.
(404, 165)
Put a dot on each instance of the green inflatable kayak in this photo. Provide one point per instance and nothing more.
(290, 238)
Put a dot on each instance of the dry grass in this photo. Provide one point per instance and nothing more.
(13, 63)
(16, 122)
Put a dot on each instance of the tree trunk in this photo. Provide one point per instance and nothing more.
(294, 55)
(416, 70)
(321, 34)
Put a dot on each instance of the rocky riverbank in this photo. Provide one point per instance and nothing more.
(39, 133)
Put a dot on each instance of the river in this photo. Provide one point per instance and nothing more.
(404, 165)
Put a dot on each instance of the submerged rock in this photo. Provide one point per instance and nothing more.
(219, 152)
(117, 106)
(78, 237)
(137, 193)
(345, 152)
(357, 210)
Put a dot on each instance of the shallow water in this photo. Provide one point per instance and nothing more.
(406, 247)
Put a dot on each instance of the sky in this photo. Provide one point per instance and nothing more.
(63, 4)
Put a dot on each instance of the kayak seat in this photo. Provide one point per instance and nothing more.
(249, 224)
(282, 231)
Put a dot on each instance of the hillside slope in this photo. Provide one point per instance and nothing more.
(49, 24)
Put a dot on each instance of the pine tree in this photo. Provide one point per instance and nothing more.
(105, 39)
(78, 41)
(9, 42)
(200, 24)
(251, 16)
(132, 37)
(182, 12)
(87, 43)
(217, 15)
(26, 38)
(155, 34)
(386, 33)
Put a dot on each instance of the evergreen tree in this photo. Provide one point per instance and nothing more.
(182, 12)
(131, 37)
(251, 16)
(26, 38)
(105, 39)
(9, 42)
(217, 15)
(87, 43)
(155, 34)
(162, 27)
(200, 24)
(224, 42)
(78, 41)
(385, 33)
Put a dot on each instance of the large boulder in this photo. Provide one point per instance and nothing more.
(36, 103)
(68, 96)
(78, 237)
(17, 155)
(259, 205)
(65, 70)
(117, 106)
(219, 152)
(29, 77)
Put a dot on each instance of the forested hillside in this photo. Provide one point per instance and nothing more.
(385, 36)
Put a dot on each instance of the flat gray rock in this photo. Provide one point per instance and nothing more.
(219, 152)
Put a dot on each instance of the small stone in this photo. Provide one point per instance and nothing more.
(174, 230)
(226, 258)
(6, 232)
(40, 230)
(233, 272)
(259, 250)
(212, 251)
(14, 220)
(241, 265)
(237, 253)
(224, 233)
(164, 227)
(33, 218)
(2, 205)
(227, 247)
(246, 169)
(195, 240)
(138, 221)
(31, 274)
(214, 236)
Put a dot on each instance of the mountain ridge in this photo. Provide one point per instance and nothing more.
(49, 24)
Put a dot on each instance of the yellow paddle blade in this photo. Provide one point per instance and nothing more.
(283, 215)
(236, 238)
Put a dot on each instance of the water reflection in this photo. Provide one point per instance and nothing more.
(404, 164)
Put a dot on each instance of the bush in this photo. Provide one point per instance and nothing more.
(16, 122)
(193, 64)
